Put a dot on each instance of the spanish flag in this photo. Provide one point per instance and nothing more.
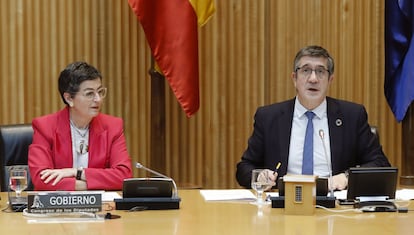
(171, 29)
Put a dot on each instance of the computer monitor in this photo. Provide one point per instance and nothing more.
(372, 181)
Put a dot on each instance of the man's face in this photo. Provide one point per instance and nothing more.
(312, 81)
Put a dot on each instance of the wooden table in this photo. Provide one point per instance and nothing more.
(197, 216)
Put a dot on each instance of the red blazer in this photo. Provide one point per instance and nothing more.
(109, 162)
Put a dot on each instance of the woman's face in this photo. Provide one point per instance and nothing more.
(87, 102)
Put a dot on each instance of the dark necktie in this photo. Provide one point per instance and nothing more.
(307, 163)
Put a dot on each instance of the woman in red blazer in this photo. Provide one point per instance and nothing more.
(79, 148)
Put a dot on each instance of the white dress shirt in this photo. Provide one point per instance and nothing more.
(321, 163)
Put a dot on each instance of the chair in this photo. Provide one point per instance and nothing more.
(14, 145)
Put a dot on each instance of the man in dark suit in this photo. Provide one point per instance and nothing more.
(342, 137)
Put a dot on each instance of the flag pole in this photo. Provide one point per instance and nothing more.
(407, 159)
(157, 129)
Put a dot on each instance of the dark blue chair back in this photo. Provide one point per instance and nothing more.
(14, 145)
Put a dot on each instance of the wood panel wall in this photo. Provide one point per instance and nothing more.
(246, 56)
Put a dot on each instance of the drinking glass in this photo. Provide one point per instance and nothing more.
(18, 181)
(260, 182)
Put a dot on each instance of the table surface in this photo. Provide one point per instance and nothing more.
(197, 216)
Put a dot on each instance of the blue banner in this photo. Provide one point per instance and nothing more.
(399, 56)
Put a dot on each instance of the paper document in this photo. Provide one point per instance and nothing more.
(404, 194)
(228, 195)
(110, 196)
(341, 194)
(272, 194)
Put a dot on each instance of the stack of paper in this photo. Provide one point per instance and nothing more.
(228, 195)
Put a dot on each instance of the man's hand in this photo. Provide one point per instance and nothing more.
(56, 175)
(339, 182)
(268, 175)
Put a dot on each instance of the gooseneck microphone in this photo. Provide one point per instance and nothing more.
(322, 135)
(175, 190)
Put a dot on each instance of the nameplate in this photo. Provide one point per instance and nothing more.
(64, 202)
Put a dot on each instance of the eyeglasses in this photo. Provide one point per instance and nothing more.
(90, 95)
(306, 71)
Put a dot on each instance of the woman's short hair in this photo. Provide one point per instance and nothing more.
(73, 75)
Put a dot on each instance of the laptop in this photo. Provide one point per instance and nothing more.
(372, 182)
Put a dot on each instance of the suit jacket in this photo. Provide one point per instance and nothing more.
(108, 165)
(351, 141)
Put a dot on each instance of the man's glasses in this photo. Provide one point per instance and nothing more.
(90, 95)
(306, 71)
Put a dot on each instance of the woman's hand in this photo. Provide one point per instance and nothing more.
(57, 174)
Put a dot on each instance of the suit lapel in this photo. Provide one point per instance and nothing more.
(336, 129)
(97, 142)
(63, 145)
(284, 127)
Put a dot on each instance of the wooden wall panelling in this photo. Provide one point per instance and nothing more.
(246, 54)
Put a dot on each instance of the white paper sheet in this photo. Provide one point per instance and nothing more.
(228, 195)
(404, 194)
(110, 196)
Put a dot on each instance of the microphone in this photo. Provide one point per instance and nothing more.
(175, 189)
(322, 135)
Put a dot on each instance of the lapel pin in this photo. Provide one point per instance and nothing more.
(338, 122)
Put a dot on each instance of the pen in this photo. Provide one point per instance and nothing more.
(277, 168)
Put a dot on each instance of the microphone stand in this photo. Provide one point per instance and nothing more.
(322, 135)
(175, 189)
